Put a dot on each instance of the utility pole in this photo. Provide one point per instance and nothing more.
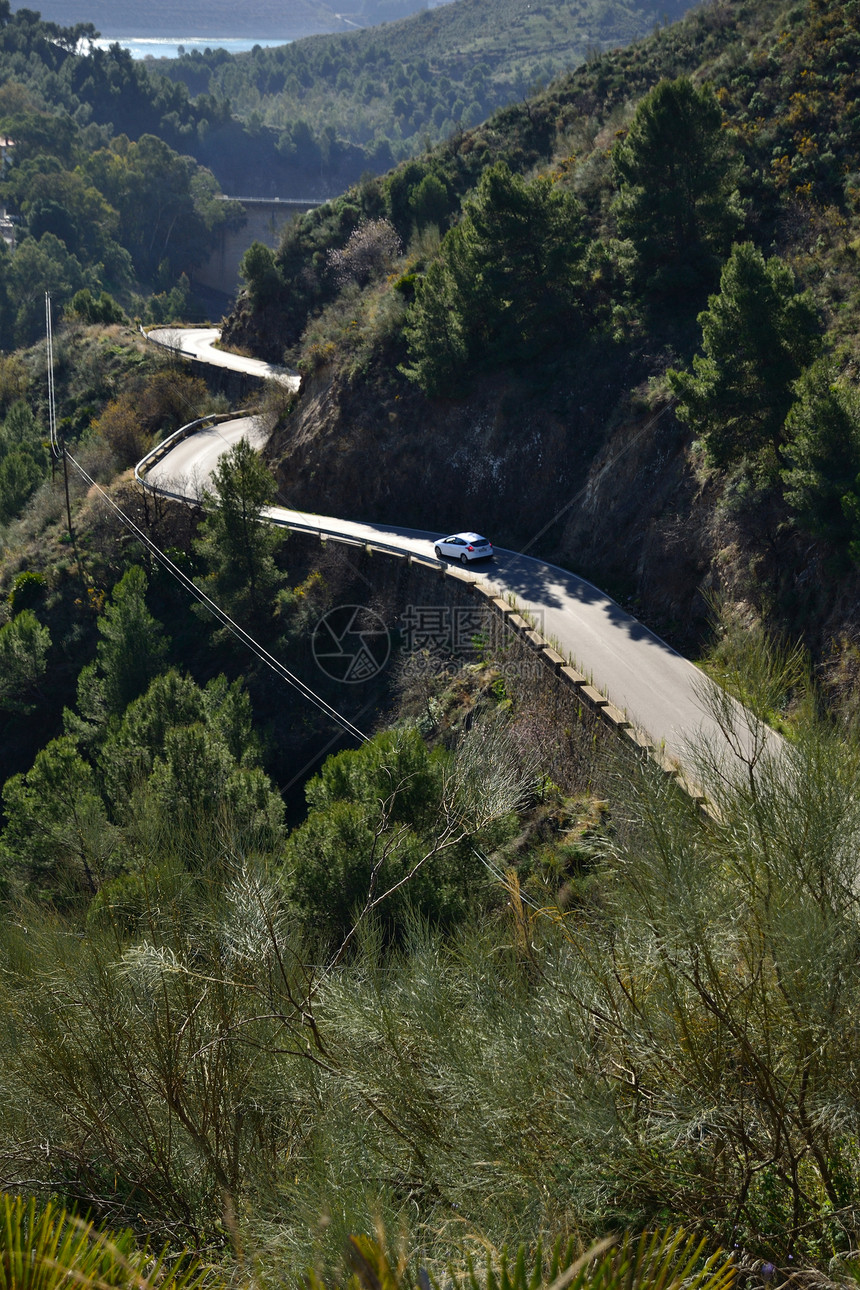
(58, 444)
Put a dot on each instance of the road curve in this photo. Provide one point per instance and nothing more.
(660, 691)
(199, 343)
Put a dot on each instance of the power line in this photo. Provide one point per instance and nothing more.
(257, 649)
(223, 617)
(274, 664)
(488, 864)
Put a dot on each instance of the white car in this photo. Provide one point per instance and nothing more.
(464, 547)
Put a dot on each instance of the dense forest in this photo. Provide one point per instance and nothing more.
(55, 78)
(306, 119)
(107, 214)
(453, 979)
(413, 82)
(668, 233)
(260, 19)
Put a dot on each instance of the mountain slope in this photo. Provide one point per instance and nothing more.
(417, 79)
(262, 19)
(571, 442)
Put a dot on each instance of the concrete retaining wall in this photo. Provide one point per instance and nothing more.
(428, 580)
(265, 221)
(412, 579)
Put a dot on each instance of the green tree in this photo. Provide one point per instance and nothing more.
(130, 653)
(22, 459)
(57, 832)
(677, 178)
(173, 702)
(20, 428)
(505, 279)
(19, 476)
(391, 828)
(438, 329)
(14, 378)
(7, 308)
(261, 275)
(96, 309)
(28, 590)
(237, 546)
(24, 648)
(758, 334)
(166, 203)
(196, 781)
(399, 187)
(430, 202)
(822, 482)
(37, 267)
(65, 204)
(129, 752)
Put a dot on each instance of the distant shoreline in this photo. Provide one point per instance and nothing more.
(277, 21)
(172, 46)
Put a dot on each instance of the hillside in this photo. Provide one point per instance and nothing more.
(316, 117)
(416, 80)
(262, 19)
(468, 984)
(484, 424)
(58, 85)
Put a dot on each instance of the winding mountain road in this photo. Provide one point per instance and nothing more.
(200, 343)
(660, 691)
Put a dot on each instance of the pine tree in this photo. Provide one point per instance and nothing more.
(758, 334)
(676, 176)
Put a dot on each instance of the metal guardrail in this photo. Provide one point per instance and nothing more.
(312, 202)
(370, 544)
(281, 375)
(162, 449)
(604, 711)
(298, 526)
(162, 344)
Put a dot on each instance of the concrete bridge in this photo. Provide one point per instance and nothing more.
(265, 220)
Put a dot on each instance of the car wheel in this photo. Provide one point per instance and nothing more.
(438, 553)
(464, 559)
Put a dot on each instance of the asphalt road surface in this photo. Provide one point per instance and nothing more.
(659, 690)
(199, 343)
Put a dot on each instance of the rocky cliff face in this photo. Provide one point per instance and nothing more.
(593, 486)
(612, 490)
(500, 460)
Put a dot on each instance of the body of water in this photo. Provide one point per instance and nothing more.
(170, 47)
